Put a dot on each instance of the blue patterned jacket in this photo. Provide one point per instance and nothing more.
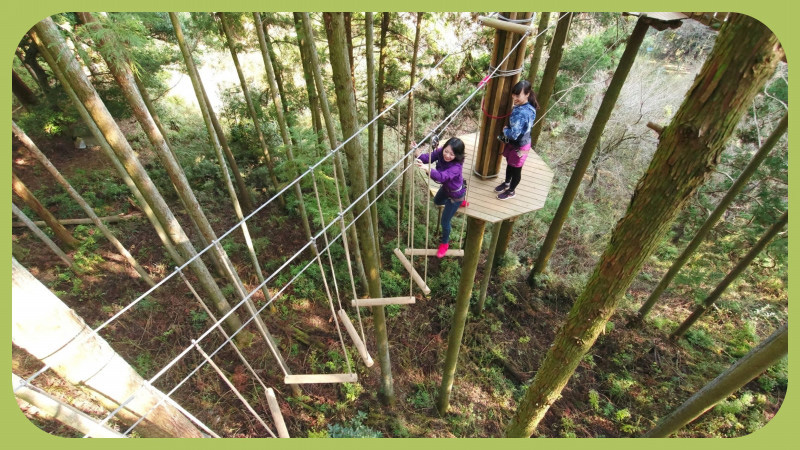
(520, 124)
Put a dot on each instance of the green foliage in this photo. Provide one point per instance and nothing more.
(198, 319)
(354, 428)
(422, 398)
(699, 337)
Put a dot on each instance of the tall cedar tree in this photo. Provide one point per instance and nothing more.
(349, 121)
(744, 57)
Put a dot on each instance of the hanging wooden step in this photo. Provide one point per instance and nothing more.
(432, 252)
(414, 275)
(351, 330)
(277, 416)
(384, 301)
(321, 378)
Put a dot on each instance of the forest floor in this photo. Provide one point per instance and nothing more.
(631, 377)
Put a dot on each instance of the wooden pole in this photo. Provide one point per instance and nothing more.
(488, 266)
(506, 26)
(550, 70)
(41, 235)
(472, 250)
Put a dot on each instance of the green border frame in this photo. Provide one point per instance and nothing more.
(776, 14)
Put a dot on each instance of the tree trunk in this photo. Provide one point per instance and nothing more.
(407, 176)
(712, 219)
(348, 32)
(251, 107)
(61, 233)
(41, 235)
(381, 93)
(372, 174)
(109, 152)
(281, 123)
(592, 139)
(148, 102)
(276, 68)
(46, 328)
(308, 75)
(537, 47)
(756, 361)
(550, 71)
(311, 50)
(349, 122)
(744, 57)
(69, 66)
(27, 142)
(731, 276)
(23, 93)
(472, 251)
(503, 239)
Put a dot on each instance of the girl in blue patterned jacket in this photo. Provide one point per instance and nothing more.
(517, 136)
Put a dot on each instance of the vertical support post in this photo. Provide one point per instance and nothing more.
(475, 229)
(496, 101)
(277, 416)
(503, 238)
(487, 268)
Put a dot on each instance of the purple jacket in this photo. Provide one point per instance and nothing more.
(448, 174)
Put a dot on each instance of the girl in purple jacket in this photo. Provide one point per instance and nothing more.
(449, 163)
(517, 137)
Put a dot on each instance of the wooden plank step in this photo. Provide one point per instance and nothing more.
(277, 416)
(384, 301)
(414, 275)
(431, 252)
(321, 378)
(351, 330)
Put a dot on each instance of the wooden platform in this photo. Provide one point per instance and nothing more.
(483, 202)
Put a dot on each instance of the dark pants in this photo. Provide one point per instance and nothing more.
(513, 176)
(450, 209)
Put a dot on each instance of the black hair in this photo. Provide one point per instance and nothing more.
(457, 146)
(524, 86)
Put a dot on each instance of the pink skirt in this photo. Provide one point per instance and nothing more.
(516, 156)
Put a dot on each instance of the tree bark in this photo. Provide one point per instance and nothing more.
(537, 47)
(756, 361)
(308, 75)
(744, 57)
(550, 72)
(712, 219)
(354, 152)
(61, 233)
(731, 276)
(592, 139)
(45, 327)
(27, 142)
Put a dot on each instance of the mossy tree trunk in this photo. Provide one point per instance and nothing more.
(371, 172)
(744, 57)
(349, 121)
(756, 361)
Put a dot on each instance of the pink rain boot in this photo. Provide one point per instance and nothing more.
(464, 204)
(442, 250)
